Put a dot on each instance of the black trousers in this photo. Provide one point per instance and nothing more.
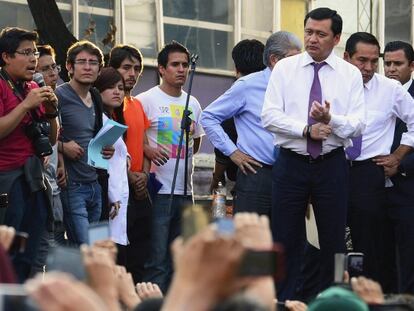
(294, 182)
(401, 213)
(139, 216)
(254, 191)
(370, 228)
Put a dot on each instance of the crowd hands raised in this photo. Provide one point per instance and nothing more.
(206, 278)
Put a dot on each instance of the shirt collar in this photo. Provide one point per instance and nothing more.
(369, 84)
(408, 84)
(330, 60)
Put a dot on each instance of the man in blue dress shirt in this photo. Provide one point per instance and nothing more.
(254, 151)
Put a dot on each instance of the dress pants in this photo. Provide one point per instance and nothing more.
(367, 218)
(401, 214)
(295, 179)
(253, 191)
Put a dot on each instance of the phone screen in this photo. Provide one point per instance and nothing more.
(355, 265)
(98, 232)
(263, 263)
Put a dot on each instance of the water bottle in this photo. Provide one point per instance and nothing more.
(219, 201)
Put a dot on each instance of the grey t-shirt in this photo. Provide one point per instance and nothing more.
(78, 123)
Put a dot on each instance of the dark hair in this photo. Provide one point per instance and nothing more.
(401, 45)
(46, 50)
(10, 39)
(355, 38)
(81, 46)
(107, 78)
(120, 52)
(248, 56)
(326, 13)
(172, 47)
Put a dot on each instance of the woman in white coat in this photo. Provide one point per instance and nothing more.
(111, 86)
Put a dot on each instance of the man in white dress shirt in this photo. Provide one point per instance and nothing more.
(386, 100)
(314, 103)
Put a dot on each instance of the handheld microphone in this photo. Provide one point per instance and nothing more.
(38, 78)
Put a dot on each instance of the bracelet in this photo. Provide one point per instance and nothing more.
(51, 115)
(308, 131)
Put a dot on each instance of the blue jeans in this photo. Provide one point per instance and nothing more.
(166, 226)
(27, 212)
(82, 205)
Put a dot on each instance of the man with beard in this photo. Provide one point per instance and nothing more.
(128, 61)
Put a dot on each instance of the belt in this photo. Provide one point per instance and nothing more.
(359, 163)
(264, 165)
(308, 158)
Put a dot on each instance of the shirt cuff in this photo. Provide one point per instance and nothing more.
(229, 149)
(297, 129)
(336, 121)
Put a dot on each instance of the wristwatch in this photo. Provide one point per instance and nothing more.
(401, 171)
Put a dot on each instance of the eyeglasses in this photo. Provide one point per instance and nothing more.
(51, 69)
(83, 62)
(28, 52)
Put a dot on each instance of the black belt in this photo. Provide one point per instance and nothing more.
(359, 163)
(308, 158)
(264, 165)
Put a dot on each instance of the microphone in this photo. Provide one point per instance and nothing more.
(38, 78)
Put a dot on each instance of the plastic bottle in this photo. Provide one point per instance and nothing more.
(219, 201)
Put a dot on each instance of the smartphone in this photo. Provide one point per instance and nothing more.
(340, 260)
(355, 264)
(66, 259)
(19, 243)
(13, 297)
(225, 226)
(264, 263)
(98, 232)
(194, 219)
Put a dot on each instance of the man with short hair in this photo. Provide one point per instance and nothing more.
(314, 104)
(254, 151)
(370, 159)
(399, 65)
(129, 63)
(81, 113)
(164, 105)
(26, 111)
(247, 56)
(54, 166)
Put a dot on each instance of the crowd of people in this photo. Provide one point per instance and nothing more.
(296, 131)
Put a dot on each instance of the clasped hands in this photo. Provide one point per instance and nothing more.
(321, 114)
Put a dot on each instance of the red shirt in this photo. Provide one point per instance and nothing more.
(16, 147)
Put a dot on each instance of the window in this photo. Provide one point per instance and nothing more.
(141, 27)
(398, 20)
(206, 28)
(257, 19)
(215, 11)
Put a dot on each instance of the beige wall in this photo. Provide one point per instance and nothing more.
(292, 14)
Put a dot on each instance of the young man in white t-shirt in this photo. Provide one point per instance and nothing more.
(164, 105)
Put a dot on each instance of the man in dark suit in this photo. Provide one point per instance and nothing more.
(399, 65)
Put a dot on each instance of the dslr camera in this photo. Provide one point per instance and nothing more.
(38, 132)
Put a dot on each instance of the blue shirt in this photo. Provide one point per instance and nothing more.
(243, 101)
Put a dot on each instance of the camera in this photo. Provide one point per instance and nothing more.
(38, 132)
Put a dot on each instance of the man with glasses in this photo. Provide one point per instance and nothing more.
(23, 106)
(54, 165)
(81, 113)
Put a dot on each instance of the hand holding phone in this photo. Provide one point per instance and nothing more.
(98, 232)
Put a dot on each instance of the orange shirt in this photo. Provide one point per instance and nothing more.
(137, 123)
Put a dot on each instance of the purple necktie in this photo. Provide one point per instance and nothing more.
(314, 147)
(354, 151)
